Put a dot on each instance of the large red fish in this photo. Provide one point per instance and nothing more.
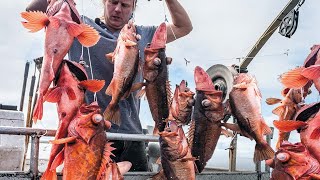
(155, 73)
(60, 33)
(287, 109)
(68, 93)
(126, 61)
(87, 150)
(309, 130)
(294, 162)
(245, 102)
(182, 103)
(205, 128)
(176, 159)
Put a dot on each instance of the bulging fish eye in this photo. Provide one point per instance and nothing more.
(97, 118)
(206, 103)
(283, 157)
(157, 61)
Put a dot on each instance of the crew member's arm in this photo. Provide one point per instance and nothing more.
(181, 23)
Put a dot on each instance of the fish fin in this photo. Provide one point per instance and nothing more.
(63, 140)
(226, 133)
(134, 87)
(106, 159)
(288, 125)
(262, 152)
(124, 166)
(190, 134)
(110, 88)
(270, 162)
(312, 72)
(241, 85)
(314, 176)
(110, 56)
(74, 29)
(156, 131)
(58, 160)
(141, 93)
(293, 78)
(38, 109)
(92, 85)
(70, 92)
(233, 127)
(129, 43)
(272, 101)
(278, 110)
(49, 175)
(89, 36)
(315, 133)
(54, 95)
(36, 20)
(112, 114)
(169, 93)
(159, 39)
(265, 129)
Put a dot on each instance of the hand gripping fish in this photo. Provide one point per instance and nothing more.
(287, 109)
(87, 150)
(205, 128)
(60, 33)
(126, 62)
(176, 158)
(68, 92)
(294, 162)
(308, 124)
(245, 103)
(155, 73)
(182, 104)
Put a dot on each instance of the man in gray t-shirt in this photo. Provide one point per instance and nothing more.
(116, 14)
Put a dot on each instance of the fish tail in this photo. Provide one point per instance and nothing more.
(92, 85)
(294, 78)
(49, 175)
(288, 125)
(89, 36)
(262, 152)
(38, 109)
(112, 114)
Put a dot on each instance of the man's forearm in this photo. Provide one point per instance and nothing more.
(181, 23)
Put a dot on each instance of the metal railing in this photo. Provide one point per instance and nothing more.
(36, 134)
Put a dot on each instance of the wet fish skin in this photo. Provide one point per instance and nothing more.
(176, 158)
(126, 61)
(248, 114)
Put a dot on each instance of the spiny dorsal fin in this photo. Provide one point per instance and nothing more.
(107, 152)
(169, 93)
(190, 133)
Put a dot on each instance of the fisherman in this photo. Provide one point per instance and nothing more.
(117, 13)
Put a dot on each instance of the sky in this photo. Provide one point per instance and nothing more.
(222, 32)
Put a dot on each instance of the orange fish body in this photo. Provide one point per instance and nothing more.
(245, 102)
(205, 128)
(60, 33)
(287, 109)
(126, 61)
(182, 104)
(87, 152)
(176, 158)
(293, 161)
(69, 96)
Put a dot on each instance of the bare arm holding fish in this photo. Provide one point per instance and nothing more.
(181, 23)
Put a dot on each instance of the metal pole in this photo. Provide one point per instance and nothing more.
(29, 120)
(26, 72)
(233, 152)
(269, 137)
(34, 157)
(268, 33)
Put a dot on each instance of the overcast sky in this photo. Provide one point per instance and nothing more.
(222, 31)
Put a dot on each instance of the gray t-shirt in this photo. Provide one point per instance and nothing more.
(103, 69)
